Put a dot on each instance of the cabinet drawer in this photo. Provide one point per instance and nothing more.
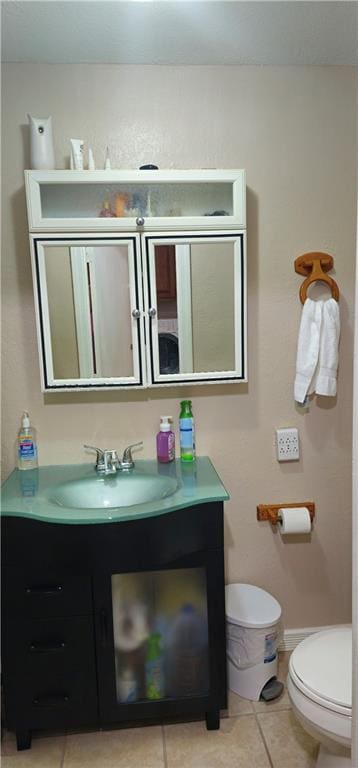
(45, 646)
(46, 592)
(52, 663)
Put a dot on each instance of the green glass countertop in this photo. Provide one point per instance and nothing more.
(28, 493)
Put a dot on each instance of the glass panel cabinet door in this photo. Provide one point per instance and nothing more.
(196, 307)
(160, 632)
(89, 311)
(113, 200)
(160, 635)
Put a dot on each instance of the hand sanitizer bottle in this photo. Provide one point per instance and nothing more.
(165, 441)
(26, 445)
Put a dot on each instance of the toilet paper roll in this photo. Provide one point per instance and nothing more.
(294, 520)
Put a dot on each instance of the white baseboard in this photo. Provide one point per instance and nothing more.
(292, 637)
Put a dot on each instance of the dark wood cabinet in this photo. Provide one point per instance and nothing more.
(165, 274)
(59, 654)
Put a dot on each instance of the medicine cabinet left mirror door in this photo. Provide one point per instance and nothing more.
(88, 294)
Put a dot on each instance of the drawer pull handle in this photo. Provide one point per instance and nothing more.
(47, 647)
(46, 589)
(52, 700)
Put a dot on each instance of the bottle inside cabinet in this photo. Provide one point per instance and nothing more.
(160, 634)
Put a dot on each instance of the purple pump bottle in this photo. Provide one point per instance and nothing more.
(165, 441)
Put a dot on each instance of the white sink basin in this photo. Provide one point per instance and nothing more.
(112, 491)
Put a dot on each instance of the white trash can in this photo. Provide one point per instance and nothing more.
(252, 636)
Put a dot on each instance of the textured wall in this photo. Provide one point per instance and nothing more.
(293, 129)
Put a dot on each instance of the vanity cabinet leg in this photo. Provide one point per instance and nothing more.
(23, 739)
(212, 719)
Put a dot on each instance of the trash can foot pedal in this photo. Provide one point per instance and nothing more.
(272, 690)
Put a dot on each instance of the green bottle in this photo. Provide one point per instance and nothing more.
(154, 676)
(187, 431)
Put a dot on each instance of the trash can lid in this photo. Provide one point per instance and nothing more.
(249, 606)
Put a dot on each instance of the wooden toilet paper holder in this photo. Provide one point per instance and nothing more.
(270, 511)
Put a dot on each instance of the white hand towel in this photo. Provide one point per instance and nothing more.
(308, 349)
(326, 378)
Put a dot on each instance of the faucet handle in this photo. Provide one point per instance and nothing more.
(127, 460)
(99, 455)
(99, 451)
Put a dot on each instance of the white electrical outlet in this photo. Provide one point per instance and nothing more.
(287, 445)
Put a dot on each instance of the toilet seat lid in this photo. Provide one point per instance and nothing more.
(322, 667)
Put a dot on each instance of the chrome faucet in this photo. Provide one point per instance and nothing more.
(107, 461)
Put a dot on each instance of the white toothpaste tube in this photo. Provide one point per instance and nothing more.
(77, 146)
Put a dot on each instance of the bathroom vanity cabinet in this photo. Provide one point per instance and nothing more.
(152, 296)
(78, 603)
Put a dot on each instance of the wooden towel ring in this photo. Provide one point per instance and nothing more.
(315, 266)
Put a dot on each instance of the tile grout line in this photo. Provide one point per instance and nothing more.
(239, 714)
(285, 708)
(264, 740)
(164, 748)
(62, 763)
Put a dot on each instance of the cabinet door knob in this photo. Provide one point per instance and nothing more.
(139, 221)
(152, 312)
(136, 313)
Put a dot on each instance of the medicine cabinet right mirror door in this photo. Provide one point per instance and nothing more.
(195, 307)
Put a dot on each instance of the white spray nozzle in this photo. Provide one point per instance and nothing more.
(165, 425)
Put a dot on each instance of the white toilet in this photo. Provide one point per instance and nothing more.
(320, 688)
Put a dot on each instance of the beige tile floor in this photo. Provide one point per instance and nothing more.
(251, 735)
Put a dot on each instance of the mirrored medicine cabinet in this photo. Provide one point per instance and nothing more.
(141, 307)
